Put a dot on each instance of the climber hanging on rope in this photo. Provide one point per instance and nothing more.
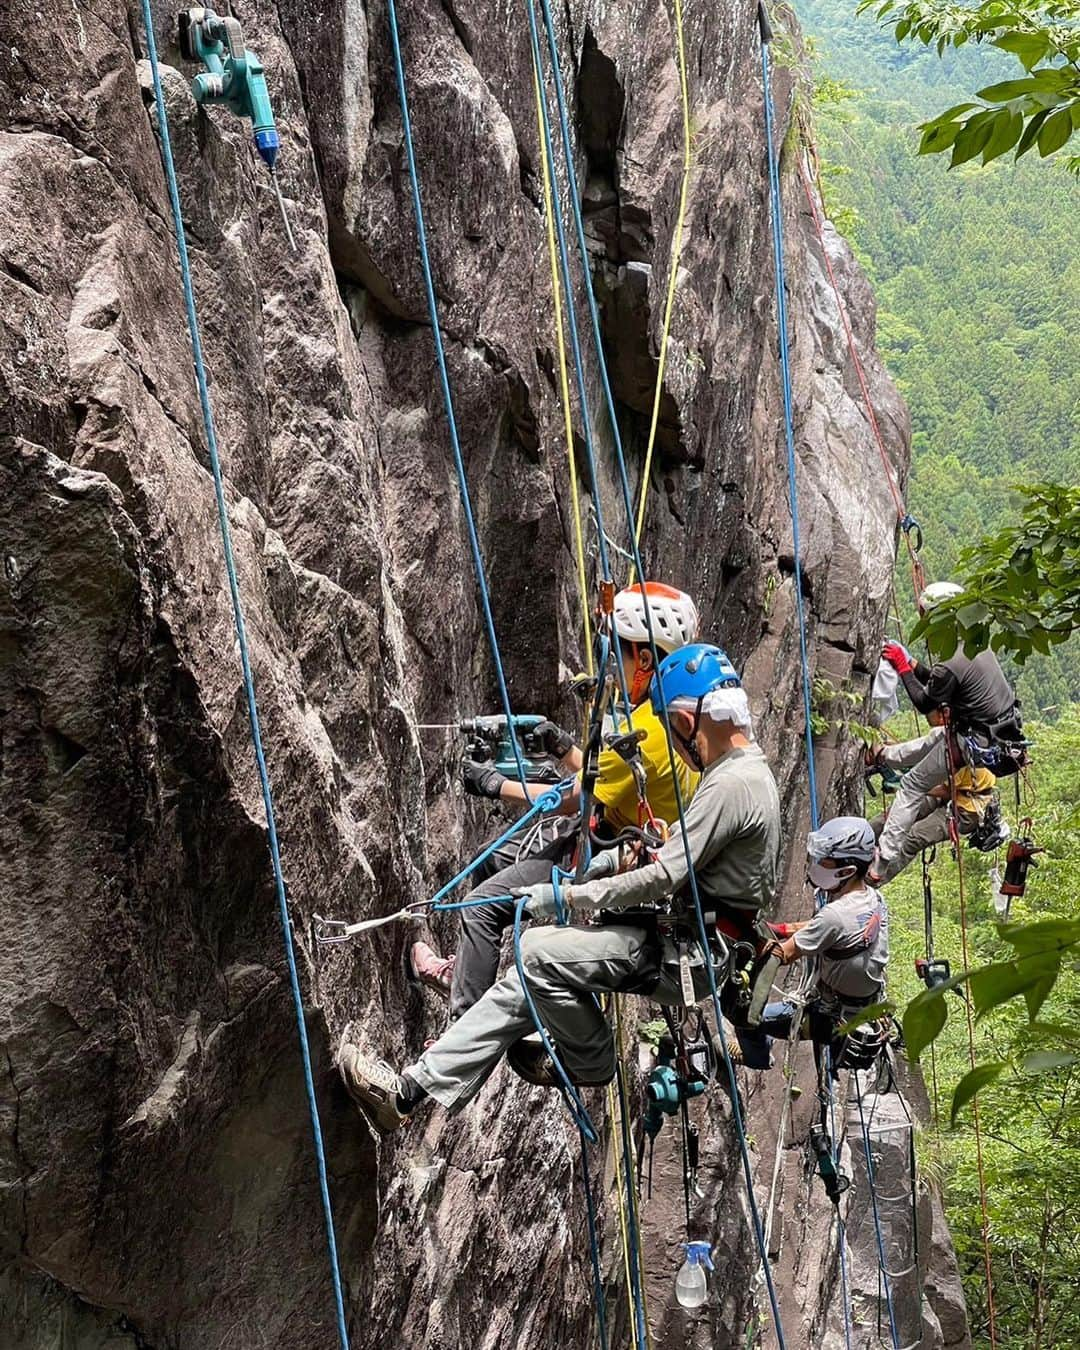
(733, 827)
(521, 863)
(982, 729)
(849, 936)
(977, 809)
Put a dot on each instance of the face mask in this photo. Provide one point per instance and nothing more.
(827, 878)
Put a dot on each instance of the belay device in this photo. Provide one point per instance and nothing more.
(234, 77)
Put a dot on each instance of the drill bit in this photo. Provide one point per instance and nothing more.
(284, 214)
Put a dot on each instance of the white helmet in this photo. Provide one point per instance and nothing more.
(936, 592)
(673, 614)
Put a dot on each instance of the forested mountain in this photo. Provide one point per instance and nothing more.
(977, 275)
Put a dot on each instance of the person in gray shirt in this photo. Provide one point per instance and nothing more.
(733, 827)
(848, 937)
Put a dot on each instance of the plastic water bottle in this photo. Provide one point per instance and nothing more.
(691, 1286)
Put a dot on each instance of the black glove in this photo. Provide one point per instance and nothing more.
(554, 739)
(481, 778)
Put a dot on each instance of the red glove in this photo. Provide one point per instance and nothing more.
(897, 657)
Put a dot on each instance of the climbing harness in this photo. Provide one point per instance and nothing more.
(235, 78)
(202, 383)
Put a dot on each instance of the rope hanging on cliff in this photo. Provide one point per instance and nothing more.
(906, 522)
(245, 660)
(564, 382)
(954, 838)
(628, 506)
(448, 398)
(673, 274)
(580, 1114)
(793, 501)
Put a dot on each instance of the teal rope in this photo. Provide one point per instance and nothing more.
(245, 661)
(448, 398)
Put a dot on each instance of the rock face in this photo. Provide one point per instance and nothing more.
(157, 1185)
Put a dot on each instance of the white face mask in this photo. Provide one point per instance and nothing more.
(829, 878)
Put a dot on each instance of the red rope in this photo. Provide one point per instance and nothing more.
(954, 836)
(918, 579)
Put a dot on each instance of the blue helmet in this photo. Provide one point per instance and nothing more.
(690, 673)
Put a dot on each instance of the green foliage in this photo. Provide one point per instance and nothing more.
(977, 280)
(1022, 584)
(1028, 1082)
(1041, 109)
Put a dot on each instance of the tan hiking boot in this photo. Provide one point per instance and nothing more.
(373, 1086)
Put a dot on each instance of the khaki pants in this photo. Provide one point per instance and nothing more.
(566, 968)
(931, 827)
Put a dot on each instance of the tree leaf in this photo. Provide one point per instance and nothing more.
(1055, 132)
(1045, 1061)
(1007, 90)
(997, 983)
(972, 1082)
(1027, 140)
(924, 1017)
(871, 1014)
(971, 141)
(1045, 935)
(1010, 124)
(1029, 47)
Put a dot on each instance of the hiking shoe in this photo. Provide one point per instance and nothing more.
(429, 968)
(529, 1060)
(373, 1086)
(532, 1063)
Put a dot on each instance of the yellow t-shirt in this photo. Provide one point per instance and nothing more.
(615, 787)
(973, 788)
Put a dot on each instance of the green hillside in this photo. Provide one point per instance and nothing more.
(977, 276)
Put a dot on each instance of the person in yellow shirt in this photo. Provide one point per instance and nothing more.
(616, 803)
(975, 790)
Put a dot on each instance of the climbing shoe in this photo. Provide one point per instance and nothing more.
(373, 1085)
(427, 967)
(529, 1060)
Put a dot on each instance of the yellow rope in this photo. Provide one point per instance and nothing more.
(676, 256)
(625, 1108)
(564, 383)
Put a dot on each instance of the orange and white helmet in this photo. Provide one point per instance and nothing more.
(673, 614)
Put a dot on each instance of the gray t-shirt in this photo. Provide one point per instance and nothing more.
(851, 936)
(733, 826)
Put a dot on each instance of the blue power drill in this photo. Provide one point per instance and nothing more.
(234, 76)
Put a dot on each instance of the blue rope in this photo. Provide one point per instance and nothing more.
(789, 428)
(883, 1264)
(793, 500)
(636, 553)
(586, 267)
(547, 801)
(594, 1244)
(245, 661)
(448, 399)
